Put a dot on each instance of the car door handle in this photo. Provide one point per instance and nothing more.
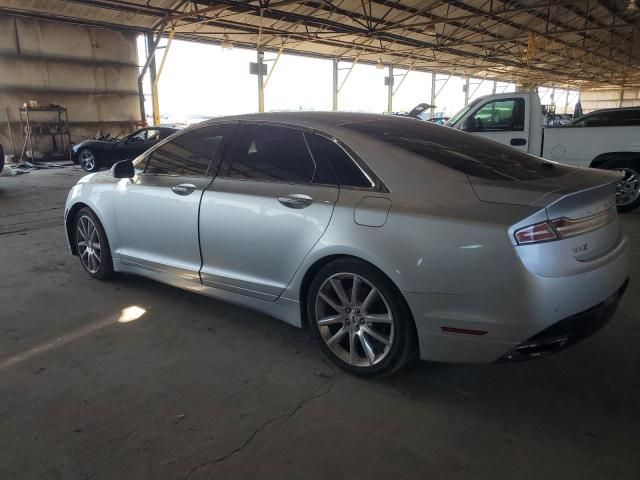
(518, 142)
(183, 189)
(296, 200)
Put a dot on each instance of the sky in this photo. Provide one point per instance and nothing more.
(205, 80)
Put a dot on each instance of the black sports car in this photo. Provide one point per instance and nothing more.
(92, 155)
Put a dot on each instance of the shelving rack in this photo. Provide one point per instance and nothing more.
(56, 126)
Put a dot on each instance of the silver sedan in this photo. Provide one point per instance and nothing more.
(387, 236)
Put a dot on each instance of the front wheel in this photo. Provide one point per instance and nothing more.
(88, 160)
(628, 190)
(359, 318)
(92, 245)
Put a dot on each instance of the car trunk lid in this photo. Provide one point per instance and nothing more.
(580, 206)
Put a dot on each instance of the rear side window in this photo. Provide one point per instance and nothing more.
(461, 151)
(270, 153)
(188, 154)
(347, 172)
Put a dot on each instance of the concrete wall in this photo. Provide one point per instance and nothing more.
(609, 98)
(90, 71)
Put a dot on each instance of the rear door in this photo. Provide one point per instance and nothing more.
(156, 212)
(270, 203)
(502, 120)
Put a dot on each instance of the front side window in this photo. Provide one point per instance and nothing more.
(146, 134)
(188, 154)
(270, 153)
(505, 115)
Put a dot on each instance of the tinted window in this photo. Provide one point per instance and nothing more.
(469, 154)
(610, 118)
(187, 154)
(500, 116)
(264, 152)
(346, 170)
(146, 134)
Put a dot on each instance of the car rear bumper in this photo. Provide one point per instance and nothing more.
(568, 331)
(517, 306)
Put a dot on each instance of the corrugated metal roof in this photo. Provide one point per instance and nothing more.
(559, 42)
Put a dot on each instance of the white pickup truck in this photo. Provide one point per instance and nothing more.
(516, 119)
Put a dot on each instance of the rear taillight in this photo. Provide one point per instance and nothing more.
(563, 228)
(540, 232)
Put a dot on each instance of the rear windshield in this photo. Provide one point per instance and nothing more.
(461, 151)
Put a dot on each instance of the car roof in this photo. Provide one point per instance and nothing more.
(604, 110)
(310, 119)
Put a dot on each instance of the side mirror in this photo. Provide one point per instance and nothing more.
(123, 169)
(469, 125)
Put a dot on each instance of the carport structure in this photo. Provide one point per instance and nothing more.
(579, 44)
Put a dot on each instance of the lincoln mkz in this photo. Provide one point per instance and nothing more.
(390, 238)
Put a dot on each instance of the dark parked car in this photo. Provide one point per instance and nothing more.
(611, 117)
(1, 158)
(92, 155)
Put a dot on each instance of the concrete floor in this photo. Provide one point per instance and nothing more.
(200, 389)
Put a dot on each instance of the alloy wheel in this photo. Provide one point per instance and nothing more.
(354, 319)
(628, 190)
(88, 243)
(87, 160)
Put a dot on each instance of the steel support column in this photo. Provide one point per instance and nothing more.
(466, 91)
(260, 81)
(390, 90)
(433, 94)
(152, 65)
(335, 85)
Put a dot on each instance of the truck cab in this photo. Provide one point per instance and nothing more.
(509, 118)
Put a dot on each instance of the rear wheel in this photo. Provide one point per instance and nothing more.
(88, 160)
(628, 190)
(92, 245)
(360, 319)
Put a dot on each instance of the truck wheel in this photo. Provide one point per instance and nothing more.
(628, 190)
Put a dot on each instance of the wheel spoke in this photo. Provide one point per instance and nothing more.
(368, 349)
(339, 289)
(82, 243)
(352, 348)
(354, 290)
(330, 302)
(372, 333)
(378, 318)
(81, 230)
(331, 320)
(337, 337)
(366, 305)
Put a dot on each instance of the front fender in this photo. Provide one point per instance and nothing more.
(95, 191)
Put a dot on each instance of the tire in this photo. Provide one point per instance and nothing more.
(627, 191)
(353, 334)
(95, 256)
(88, 160)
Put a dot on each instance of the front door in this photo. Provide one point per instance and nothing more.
(157, 211)
(502, 120)
(264, 212)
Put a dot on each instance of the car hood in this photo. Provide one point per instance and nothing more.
(97, 144)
